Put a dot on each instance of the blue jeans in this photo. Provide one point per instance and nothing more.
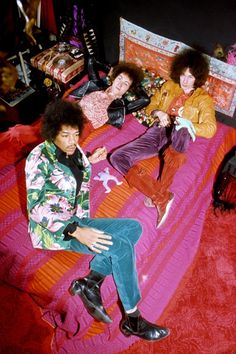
(119, 260)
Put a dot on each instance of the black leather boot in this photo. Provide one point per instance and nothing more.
(88, 288)
(140, 327)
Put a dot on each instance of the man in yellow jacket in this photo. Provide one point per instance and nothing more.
(181, 110)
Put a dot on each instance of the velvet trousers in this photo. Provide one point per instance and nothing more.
(148, 145)
(119, 260)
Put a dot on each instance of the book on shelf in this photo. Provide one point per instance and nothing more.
(20, 92)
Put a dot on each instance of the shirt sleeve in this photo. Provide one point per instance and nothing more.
(70, 228)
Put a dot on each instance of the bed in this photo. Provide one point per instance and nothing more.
(163, 255)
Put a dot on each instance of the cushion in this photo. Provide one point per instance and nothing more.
(155, 53)
(151, 82)
(18, 141)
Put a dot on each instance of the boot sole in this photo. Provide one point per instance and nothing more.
(128, 333)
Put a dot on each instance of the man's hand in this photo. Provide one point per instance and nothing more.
(161, 117)
(185, 123)
(98, 155)
(95, 239)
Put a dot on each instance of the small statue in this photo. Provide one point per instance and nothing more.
(219, 52)
(105, 176)
(29, 9)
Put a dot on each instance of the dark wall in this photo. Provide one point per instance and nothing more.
(203, 23)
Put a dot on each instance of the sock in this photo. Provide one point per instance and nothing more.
(136, 313)
(94, 273)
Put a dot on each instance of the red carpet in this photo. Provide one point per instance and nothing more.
(21, 329)
(202, 314)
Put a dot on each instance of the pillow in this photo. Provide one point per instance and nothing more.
(155, 53)
(18, 141)
(150, 84)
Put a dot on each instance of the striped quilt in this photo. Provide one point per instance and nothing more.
(163, 255)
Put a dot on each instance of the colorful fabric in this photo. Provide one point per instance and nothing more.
(95, 105)
(155, 53)
(177, 105)
(61, 66)
(52, 202)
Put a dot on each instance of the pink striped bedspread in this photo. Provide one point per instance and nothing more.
(163, 255)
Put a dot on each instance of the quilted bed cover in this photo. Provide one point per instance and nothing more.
(163, 255)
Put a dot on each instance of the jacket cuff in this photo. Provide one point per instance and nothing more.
(70, 228)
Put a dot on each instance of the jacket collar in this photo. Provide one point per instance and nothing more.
(51, 151)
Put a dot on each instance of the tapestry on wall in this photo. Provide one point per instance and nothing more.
(155, 53)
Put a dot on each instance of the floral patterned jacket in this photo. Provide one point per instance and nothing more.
(52, 202)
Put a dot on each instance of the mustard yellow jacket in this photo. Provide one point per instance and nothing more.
(198, 108)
